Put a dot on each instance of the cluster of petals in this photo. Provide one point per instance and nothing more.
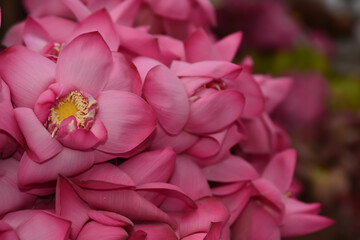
(128, 120)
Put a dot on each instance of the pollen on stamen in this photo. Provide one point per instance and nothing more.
(83, 109)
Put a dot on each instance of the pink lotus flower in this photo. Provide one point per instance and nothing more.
(66, 110)
(33, 225)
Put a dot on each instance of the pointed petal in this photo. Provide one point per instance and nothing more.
(68, 163)
(134, 122)
(26, 73)
(198, 47)
(35, 36)
(156, 166)
(213, 69)
(58, 28)
(78, 8)
(280, 169)
(125, 12)
(173, 9)
(94, 231)
(231, 169)
(208, 114)
(228, 46)
(37, 137)
(165, 93)
(85, 63)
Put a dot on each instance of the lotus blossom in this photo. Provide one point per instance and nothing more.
(65, 110)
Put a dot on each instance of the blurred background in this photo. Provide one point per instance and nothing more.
(317, 42)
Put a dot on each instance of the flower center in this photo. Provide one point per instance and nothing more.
(82, 109)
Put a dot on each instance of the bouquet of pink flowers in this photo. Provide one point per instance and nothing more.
(126, 119)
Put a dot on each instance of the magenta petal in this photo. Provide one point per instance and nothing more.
(280, 169)
(168, 190)
(207, 146)
(231, 169)
(132, 206)
(198, 47)
(70, 206)
(111, 219)
(78, 8)
(23, 69)
(101, 22)
(95, 231)
(294, 206)
(208, 114)
(85, 63)
(37, 137)
(228, 46)
(165, 93)
(124, 13)
(134, 120)
(14, 35)
(68, 163)
(199, 220)
(157, 166)
(213, 69)
(173, 9)
(156, 231)
(35, 36)
(255, 223)
(11, 197)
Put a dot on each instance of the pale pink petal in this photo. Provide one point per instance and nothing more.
(167, 96)
(255, 223)
(213, 69)
(199, 47)
(179, 143)
(85, 63)
(228, 46)
(106, 172)
(294, 206)
(212, 112)
(70, 206)
(95, 231)
(157, 166)
(26, 73)
(43, 105)
(58, 28)
(144, 64)
(199, 220)
(11, 197)
(68, 163)
(280, 169)
(123, 76)
(39, 140)
(195, 236)
(302, 223)
(156, 231)
(132, 206)
(231, 169)
(14, 35)
(35, 36)
(134, 122)
(101, 22)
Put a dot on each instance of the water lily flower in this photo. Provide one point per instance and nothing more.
(66, 111)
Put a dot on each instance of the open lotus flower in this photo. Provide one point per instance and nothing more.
(33, 224)
(66, 110)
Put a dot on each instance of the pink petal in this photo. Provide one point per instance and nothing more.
(144, 65)
(294, 206)
(179, 143)
(156, 231)
(132, 206)
(255, 224)
(134, 122)
(280, 169)
(101, 22)
(198, 47)
(68, 163)
(78, 8)
(167, 96)
(208, 114)
(70, 206)
(215, 231)
(168, 190)
(301, 224)
(58, 28)
(258, 139)
(170, 48)
(231, 169)
(111, 219)
(124, 76)
(209, 210)
(26, 73)
(6, 232)
(106, 172)
(85, 63)
(37, 137)
(14, 35)
(95, 231)
(156, 166)
(174, 9)
(213, 69)
(208, 9)
(227, 189)
(124, 13)
(35, 36)
(228, 46)
(207, 146)
(11, 197)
